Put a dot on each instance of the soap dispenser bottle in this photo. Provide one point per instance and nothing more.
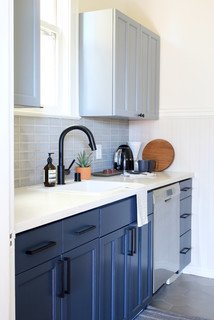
(49, 172)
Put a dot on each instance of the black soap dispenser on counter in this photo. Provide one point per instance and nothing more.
(50, 172)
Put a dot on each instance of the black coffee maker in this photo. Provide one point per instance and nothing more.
(123, 158)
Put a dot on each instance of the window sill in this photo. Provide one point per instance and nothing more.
(40, 112)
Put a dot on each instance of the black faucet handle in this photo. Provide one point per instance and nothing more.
(68, 171)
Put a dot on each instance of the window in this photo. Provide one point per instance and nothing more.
(49, 39)
(58, 60)
(59, 56)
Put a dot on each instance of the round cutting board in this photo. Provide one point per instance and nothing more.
(161, 151)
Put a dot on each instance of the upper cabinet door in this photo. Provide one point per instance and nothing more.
(119, 67)
(27, 52)
(148, 86)
(126, 46)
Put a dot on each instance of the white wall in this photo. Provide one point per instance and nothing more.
(6, 160)
(186, 101)
(187, 109)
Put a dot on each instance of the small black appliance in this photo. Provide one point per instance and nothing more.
(123, 158)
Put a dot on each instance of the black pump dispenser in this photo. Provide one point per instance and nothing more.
(50, 172)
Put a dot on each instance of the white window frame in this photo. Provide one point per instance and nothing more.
(68, 106)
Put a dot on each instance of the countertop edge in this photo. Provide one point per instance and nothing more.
(135, 185)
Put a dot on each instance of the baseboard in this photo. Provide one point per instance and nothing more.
(206, 273)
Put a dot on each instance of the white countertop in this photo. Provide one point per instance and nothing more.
(37, 205)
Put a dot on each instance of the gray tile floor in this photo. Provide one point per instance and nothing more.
(189, 295)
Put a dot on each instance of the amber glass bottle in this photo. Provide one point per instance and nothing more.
(49, 173)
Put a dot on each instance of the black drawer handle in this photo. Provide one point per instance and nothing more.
(186, 189)
(185, 250)
(133, 241)
(68, 260)
(44, 247)
(185, 215)
(84, 230)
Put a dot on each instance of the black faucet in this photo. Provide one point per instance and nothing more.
(61, 167)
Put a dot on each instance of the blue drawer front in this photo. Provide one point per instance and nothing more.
(186, 188)
(80, 229)
(37, 246)
(185, 250)
(185, 216)
(117, 215)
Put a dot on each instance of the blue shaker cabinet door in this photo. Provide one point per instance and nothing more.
(37, 292)
(140, 269)
(80, 285)
(113, 276)
(145, 244)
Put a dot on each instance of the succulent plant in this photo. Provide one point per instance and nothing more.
(84, 160)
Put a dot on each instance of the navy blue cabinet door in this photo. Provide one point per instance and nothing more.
(145, 243)
(140, 269)
(113, 276)
(37, 292)
(80, 301)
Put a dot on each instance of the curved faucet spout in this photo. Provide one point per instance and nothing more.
(92, 145)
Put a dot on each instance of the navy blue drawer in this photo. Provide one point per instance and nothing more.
(80, 229)
(150, 202)
(186, 188)
(185, 215)
(117, 215)
(38, 245)
(185, 250)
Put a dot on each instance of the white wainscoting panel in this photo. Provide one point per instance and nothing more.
(193, 141)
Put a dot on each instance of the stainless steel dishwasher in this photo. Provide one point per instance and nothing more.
(166, 233)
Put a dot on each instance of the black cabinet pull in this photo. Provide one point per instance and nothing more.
(141, 115)
(133, 241)
(186, 189)
(185, 250)
(185, 215)
(68, 260)
(62, 293)
(42, 248)
(84, 230)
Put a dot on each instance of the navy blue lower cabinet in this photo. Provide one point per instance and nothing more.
(140, 269)
(126, 272)
(80, 283)
(37, 292)
(113, 275)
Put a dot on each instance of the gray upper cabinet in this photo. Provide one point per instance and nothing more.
(148, 86)
(119, 66)
(27, 52)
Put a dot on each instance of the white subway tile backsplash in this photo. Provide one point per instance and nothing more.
(35, 137)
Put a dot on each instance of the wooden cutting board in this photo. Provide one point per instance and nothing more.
(161, 151)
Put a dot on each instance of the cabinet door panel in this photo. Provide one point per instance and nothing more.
(120, 64)
(146, 261)
(154, 77)
(132, 68)
(113, 276)
(82, 301)
(126, 65)
(37, 293)
(140, 270)
(27, 52)
(143, 105)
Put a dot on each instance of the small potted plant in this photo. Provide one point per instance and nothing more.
(84, 165)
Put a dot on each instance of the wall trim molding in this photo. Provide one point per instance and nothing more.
(186, 112)
(197, 271)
